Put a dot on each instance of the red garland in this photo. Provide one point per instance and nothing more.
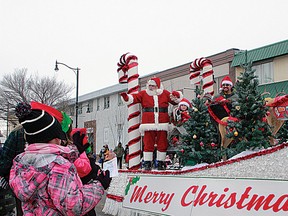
(114, 197)
(218, 164)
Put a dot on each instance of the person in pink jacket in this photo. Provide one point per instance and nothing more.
(44, 177)
(82, 163)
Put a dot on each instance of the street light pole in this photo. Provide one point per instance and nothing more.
(76, 72)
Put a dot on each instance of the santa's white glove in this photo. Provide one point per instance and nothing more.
(3, 183)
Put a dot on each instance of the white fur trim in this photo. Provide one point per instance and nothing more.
(156, 92)
(152, 126)
(227, 82)
(161, 156)
(183, 103)
(156, 114)
(148, 156)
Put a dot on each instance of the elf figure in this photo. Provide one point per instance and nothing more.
(181, 113)
(155, 119)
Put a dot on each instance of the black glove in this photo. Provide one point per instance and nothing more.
(104, 178)
(3, 183)
(78, 141)
(95, 170)
(92, 174)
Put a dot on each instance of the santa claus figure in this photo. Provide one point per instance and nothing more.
(155, 119)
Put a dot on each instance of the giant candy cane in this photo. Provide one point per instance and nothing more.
(128, 73)
(207, 74)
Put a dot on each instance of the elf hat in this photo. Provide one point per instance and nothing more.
(185, 102)
(62, 117)
(226, 80)
(39, 126)
(155, 81)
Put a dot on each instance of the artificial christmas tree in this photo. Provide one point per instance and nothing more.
(282, 134)
(200, 143)
(251, 131)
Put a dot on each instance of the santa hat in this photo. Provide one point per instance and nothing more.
(155, 81)
(39, 126)
(185, 102)
(226, 80)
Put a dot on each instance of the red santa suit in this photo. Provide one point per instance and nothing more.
(155, 118)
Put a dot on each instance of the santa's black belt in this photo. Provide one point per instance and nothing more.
(155, 109)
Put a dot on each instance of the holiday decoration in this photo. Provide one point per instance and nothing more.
(246, 143)
(128, 73)
(197, 142)
(282, 135)
(206, 76)
(213, 144)
(280, 107)
(155, 119)
(251, 115)
(258, 165)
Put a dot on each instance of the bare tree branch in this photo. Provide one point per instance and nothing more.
(19, 87)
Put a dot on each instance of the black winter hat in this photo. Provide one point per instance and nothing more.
(39, 126)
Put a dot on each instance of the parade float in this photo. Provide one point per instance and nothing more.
(245, 174)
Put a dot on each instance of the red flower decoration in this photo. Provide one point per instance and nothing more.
(213, 144)
(174, 140)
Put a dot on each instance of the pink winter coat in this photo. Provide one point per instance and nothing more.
(45, 179)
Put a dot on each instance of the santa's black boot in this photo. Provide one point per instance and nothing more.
(161, 165)
(147, 165)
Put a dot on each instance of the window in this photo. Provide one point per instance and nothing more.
(89, 107)
(98, 104)
(80, 109)
(218, 81)
(72, 111)
(106, 135)
(119, 131)
(106, 102)
(265, 72)
(120, 102)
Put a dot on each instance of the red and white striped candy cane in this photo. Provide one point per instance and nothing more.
(128, 73)
(207, 74)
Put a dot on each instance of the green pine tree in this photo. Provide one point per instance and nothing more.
(200, 143)
(252, 131)
(282, 134)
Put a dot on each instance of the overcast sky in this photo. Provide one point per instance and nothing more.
(93, 34)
